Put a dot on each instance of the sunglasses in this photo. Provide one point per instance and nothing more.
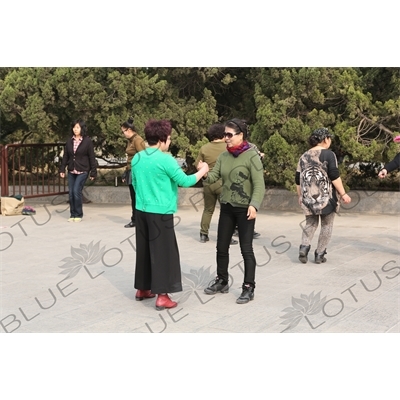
(230, 135)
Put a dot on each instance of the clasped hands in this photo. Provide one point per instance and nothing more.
(203, 166)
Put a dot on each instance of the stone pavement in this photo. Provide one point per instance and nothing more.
(78, 277)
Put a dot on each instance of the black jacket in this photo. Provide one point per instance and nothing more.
(83, 160)
(394, 164)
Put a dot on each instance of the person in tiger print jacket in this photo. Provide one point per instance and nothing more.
(320, 191)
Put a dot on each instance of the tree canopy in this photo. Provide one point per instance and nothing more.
(361, 106)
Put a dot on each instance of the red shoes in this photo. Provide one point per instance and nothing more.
(163, 301)
(144, 294)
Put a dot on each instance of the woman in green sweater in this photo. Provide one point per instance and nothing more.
(156, 176)
(243, 190)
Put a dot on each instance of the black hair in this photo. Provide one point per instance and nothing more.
(238, 125)
(82, 124)
(129, 124)
(216, 131)
(318, 136)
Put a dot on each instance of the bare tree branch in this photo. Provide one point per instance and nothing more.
(367, 125)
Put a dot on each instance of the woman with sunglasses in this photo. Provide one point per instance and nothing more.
(319, 188)
(134, 145)
(209, 154)
(243, 190)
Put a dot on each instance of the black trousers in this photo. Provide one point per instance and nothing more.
(132, 194)
(157, 255)
(229, 218)
(133, 201)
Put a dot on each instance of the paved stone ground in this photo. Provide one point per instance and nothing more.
(78, 277)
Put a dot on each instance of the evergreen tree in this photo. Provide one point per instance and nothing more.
(361, 106)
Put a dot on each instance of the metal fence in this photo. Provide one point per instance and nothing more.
(31, 170)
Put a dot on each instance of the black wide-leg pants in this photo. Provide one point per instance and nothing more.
(157, 255)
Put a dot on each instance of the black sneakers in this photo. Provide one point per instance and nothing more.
(247, 294)
(203, 238)
(220, 286)
(217, 285)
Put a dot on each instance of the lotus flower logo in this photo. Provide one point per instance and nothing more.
(193, 281)
(305, 305)
(82, 256)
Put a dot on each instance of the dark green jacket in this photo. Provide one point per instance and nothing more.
(242, 179)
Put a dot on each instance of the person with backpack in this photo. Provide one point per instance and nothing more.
(320, 191)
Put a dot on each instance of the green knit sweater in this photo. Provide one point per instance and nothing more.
(155, 177)
(242, 179)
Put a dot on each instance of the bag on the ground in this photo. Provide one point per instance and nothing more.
(28, 210)
(12, 205)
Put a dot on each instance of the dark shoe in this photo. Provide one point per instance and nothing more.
(235, 232)
(163, 301)
(247, 294)
(203, 238)
(233, 241)
(319, 258)
(130, 225)
(217, 285)
(144, 294)
(303, 253)
(256, 235)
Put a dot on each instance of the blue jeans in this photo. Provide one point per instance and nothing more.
(76, 182)
(229, 218)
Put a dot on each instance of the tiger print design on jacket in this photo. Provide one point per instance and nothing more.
(315, 185)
